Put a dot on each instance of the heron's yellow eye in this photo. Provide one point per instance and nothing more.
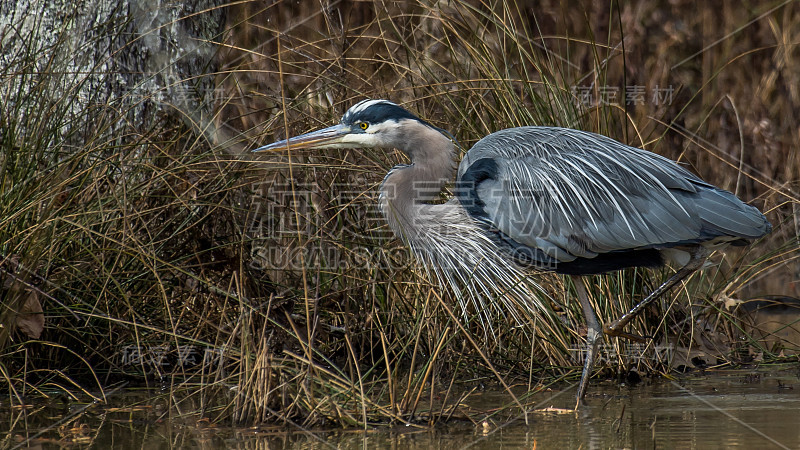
(363, 125)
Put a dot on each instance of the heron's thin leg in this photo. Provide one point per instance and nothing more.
(698, 257)
(594, 334)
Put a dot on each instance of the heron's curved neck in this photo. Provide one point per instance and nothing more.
(406, 190)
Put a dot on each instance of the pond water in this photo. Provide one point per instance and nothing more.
(725, 409)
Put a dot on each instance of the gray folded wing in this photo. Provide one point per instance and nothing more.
(573, 194)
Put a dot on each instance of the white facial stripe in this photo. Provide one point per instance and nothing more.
(358, 140)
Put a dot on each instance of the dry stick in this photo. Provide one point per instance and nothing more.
(389, 375)
(360, 383)
(430, 399)
(741, 145)
(450, 387)
(309, 352)
(309, 359)
(485, 358)
(621, 416)
(404, 403)
(429, 370)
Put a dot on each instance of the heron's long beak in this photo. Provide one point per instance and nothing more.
(331, 137)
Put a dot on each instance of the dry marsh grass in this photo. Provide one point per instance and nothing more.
(269, 290)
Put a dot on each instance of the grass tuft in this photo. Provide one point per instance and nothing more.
(270, 290)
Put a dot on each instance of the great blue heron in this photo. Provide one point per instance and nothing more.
(545, 198)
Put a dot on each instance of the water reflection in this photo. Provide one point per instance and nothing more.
(718, 410)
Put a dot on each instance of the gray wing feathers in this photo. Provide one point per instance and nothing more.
(723, 213)
(577, 194)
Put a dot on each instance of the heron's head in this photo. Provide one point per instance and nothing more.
(368, 124)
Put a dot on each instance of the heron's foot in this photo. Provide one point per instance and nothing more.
(614, 330)
(593, 339)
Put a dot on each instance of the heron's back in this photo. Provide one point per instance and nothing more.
(565, 198)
